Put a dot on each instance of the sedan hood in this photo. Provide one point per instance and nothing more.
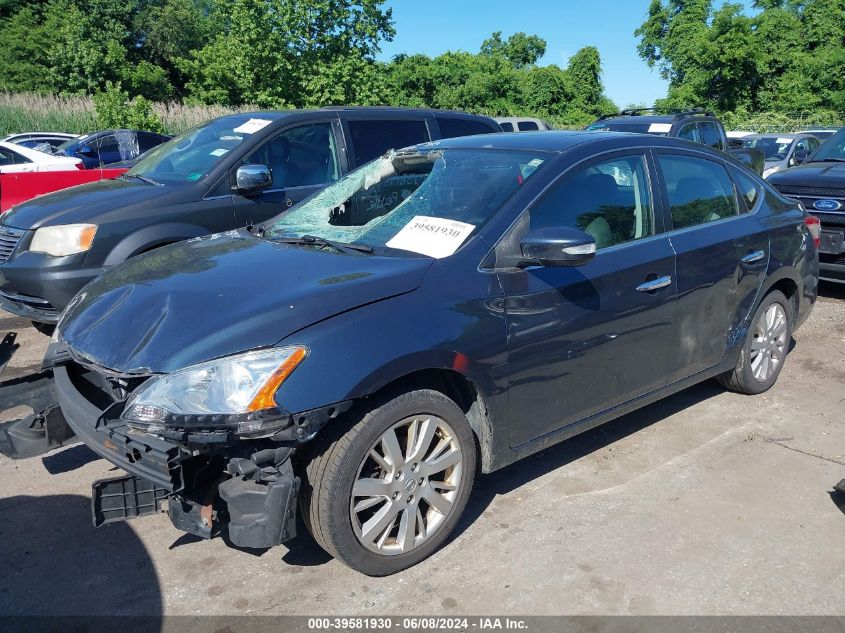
(89, 203)
(816, 174)
(219, 295)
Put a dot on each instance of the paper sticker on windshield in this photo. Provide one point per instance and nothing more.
(252, 126)
(659, 128)
(435, 237)
(784, 141)
(218, 152)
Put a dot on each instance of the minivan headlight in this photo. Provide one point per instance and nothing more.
(234, 393)
(64, 239)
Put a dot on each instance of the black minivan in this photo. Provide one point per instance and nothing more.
(230, 172)
(449, 307)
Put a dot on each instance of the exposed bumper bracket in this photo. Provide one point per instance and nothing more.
(122, 498)
(39, 432)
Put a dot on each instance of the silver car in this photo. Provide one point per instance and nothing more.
(782, 151)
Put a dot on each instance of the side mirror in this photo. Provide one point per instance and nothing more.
(557, 246)
(799, 157)
(252, 178)
(87, 150)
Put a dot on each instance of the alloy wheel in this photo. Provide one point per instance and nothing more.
(768, 345)
(406, 485)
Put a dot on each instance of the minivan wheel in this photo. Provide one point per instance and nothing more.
(384, 491)
(765, 348)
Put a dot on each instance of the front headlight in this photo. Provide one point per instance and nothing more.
(234, 393)
(64, 239)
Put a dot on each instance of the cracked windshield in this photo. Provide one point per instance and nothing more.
(425, 202)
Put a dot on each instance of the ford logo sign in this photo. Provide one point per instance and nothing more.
(827, 205)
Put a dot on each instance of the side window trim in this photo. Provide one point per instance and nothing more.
(670, 228)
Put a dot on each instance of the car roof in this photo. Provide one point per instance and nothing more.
(275, 115)
(562, 140)
(516, 119)
(792, 135)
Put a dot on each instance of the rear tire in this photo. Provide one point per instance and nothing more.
(377, 495)
(764, 351)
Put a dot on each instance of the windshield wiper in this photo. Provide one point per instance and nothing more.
(313, 240)
(145, 179)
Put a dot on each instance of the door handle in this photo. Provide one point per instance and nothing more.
(655, 284)
(751, 258)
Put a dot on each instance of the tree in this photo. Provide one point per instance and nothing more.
(23, 62)
(787, 57)
(520, 49)
(271, 49)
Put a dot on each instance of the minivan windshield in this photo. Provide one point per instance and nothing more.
(422, 200)
(775, 148)
(833, 149)
(190, 156)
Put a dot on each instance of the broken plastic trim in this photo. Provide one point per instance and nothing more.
(39, 432)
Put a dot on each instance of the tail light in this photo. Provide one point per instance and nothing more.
(814, 225)
(79, 165)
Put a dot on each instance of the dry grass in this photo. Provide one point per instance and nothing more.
(24, 112)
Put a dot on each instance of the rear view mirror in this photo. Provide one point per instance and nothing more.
(557, 246)
(251, 178)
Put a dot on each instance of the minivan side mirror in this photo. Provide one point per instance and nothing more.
(252, 178)
(557, 246)
(799, 156)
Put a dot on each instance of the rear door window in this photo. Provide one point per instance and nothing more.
(10, 157)
(699, 190)
(507, 126)
(690, 132)
(372, 138)
(749, 190)
(527, 126)
(710, 134)
(147, 141)
(451, 128)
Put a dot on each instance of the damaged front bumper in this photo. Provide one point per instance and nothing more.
(245, 489)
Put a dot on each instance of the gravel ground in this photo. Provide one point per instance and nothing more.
(705, 503)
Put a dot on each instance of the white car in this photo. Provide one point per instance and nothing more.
(15, 159)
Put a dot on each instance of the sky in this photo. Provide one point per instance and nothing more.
(436, 26)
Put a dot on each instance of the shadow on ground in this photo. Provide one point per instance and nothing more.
(831, 290)
(56, 563)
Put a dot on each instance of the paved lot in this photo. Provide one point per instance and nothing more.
(706, 503)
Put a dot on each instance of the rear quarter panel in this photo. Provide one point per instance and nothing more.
(793, 254)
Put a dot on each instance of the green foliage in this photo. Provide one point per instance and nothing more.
(519, 49)
(23, 40)
(788, 57)
(114, 109)
(495, 83)
(272, 51)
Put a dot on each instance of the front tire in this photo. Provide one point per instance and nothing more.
(766, 345)
(385, 491)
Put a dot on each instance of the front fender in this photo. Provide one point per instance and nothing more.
(355, 354)
(151, 237)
